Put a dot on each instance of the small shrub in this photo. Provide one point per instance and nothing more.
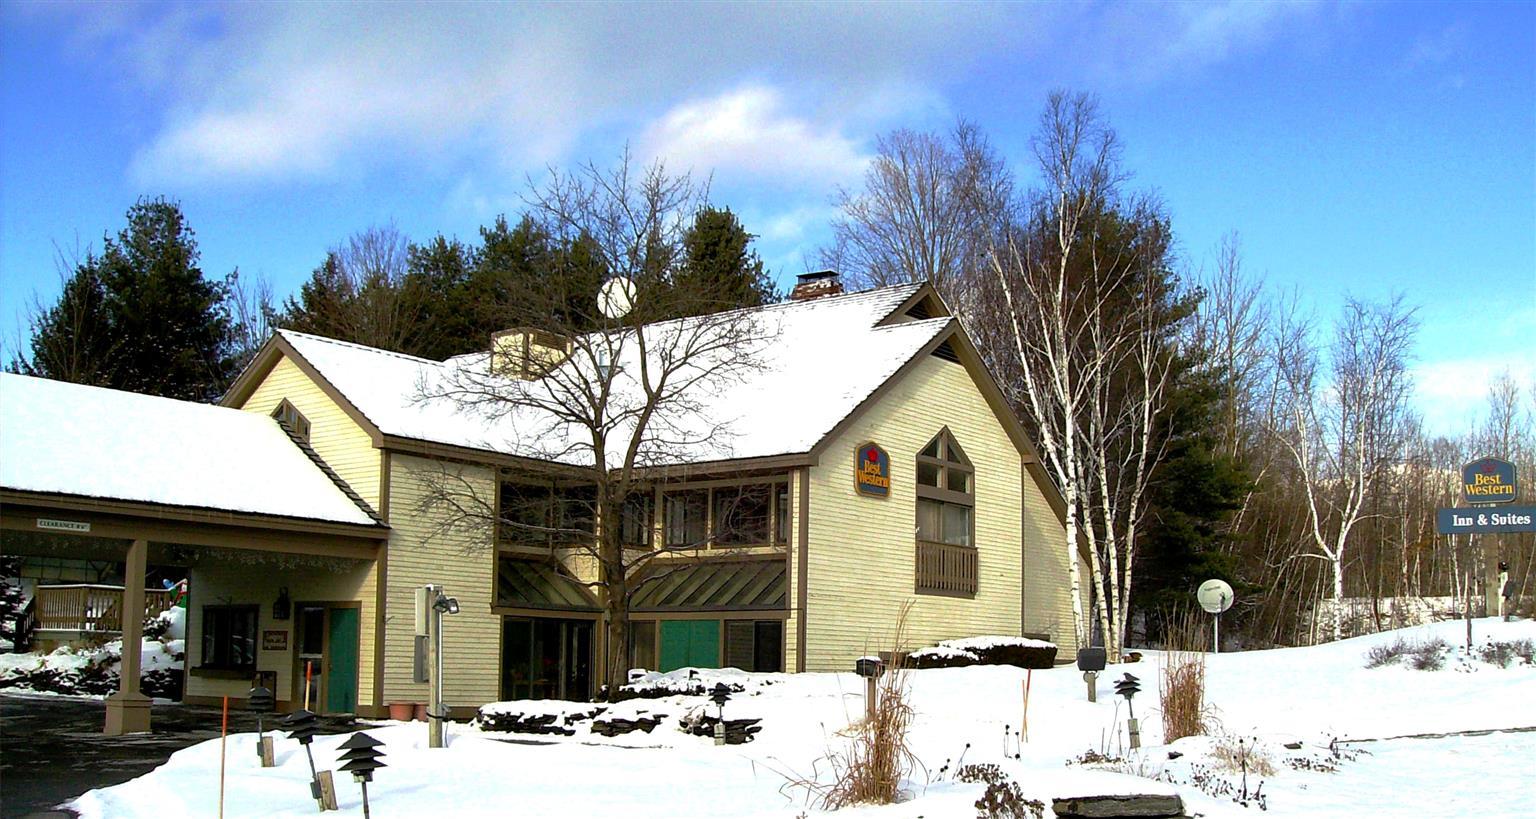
(1246, 756)
(1502, 653)
(1002, 799)
(1428, 656)
(1386, 654)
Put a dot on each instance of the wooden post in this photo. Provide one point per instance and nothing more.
(327, 791)
(128, 709)
(870, 695)
(268, 756)
(435, 664)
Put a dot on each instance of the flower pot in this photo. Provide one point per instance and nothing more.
(402, 711)
(421, 712)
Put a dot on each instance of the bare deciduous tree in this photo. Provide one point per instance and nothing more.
(927, 212)
(608, 411)
(1343, 422)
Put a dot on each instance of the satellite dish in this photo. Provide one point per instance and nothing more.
(1215, 596)
(616, 297)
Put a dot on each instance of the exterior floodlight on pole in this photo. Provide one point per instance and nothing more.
(431, 604)
(1215, 597)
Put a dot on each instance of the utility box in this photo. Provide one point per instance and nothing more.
(425, 595)
(1091, 659)
(419, 660)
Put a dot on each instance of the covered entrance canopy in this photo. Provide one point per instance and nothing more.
(99, 473)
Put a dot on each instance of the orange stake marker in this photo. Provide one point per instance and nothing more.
(223, 743)
(309, 667)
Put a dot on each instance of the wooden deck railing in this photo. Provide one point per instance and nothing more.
(90, 607)
(946, 569)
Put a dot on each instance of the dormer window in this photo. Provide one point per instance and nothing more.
(291, 419)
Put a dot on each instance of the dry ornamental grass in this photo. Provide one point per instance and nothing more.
(1182, 682)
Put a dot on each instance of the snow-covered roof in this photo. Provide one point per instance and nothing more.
(71, 439)
(816, 361)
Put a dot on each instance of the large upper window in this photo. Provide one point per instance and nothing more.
(742, 514)
(539, 515)
(946, 519)
(687, 518)
(946, 498)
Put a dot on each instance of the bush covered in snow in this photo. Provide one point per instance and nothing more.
(1016, 651)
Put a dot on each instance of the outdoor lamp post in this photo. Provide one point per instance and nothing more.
(870, 669)
(1127, 687)
(261, 701)
(720, 695)
(360, 758)
(1091, 661)
(302, 725)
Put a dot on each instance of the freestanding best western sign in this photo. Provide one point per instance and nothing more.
(872, 471)
(1488, 480)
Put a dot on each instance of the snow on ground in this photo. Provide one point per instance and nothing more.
(1304, 696)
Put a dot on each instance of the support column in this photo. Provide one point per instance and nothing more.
(128, 710)
(1491, 557)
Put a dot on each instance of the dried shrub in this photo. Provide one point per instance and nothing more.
(1240, 755)
(878, 758)
(1428, 656)
(1002, 799)
(1386, 653)
(1181, 685)
(1502, 653)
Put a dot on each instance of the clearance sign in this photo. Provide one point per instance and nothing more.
(1488, 480)
(871, 471)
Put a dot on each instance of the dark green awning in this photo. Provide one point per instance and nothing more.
(724, 586)
(539, 584)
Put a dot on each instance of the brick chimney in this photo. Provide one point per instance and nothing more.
(815, 285)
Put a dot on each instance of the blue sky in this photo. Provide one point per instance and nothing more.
(1357, 149)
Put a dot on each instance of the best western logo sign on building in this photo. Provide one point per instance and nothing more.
(871, 471)
(1488, 480)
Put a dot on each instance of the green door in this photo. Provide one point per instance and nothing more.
(687, 643)
(341, 665)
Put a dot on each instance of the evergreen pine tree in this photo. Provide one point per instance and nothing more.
(719, 269)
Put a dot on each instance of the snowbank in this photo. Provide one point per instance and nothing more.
(1338, 714)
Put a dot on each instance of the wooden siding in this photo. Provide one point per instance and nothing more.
(216, 581)
(462, 559)
(344, 446)
(862, 552)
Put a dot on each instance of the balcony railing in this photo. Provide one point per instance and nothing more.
(90, 607)
(946, 569)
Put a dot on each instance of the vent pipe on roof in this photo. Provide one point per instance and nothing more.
(815, 285)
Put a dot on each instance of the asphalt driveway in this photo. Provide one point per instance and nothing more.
(52, 748)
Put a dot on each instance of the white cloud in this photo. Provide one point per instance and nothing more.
(749, 131)
(252, 93)
(1452, 394)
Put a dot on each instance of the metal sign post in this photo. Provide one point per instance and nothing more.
(1215, 597)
